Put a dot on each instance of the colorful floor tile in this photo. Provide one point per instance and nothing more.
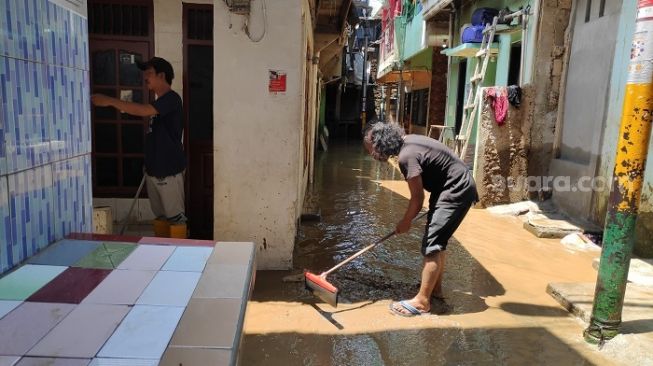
(6, 306)
(177, 242)
(209, 323)
(104, 237)
(123, 362)
(26, 280)
(121, 304)
(176, 356)
(191, 259)
(21, 329)
(82, 333)
(147, 257)
(226, 281)
(232, 253)
(42, 361)
(170, 289)
(8, 360)
(107, 256)
(64, 253)
(144, 333)
(71, 286)
(120, 287)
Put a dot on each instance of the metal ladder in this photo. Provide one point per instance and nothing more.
(473, 100)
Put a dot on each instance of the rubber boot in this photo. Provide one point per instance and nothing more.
(178, 231)
(161, 228)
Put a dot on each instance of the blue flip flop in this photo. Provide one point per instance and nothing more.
(412, 311)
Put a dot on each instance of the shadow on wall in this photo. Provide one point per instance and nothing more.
(449, 345)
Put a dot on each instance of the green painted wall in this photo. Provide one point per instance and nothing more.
(414, 42)
(497, 72)
(422, 60)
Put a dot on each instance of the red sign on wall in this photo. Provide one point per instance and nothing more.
(277, 83)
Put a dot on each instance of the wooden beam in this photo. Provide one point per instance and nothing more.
(344, 11)
(324, 40)
(327, 28)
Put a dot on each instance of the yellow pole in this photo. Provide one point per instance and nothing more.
(632, 150)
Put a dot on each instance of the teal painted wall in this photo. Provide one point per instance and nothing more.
(414, 42)
(497, 72)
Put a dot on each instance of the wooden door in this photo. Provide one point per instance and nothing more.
(198, 102)
(118, 138)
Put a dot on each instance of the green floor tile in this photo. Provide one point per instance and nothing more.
(26, 280)
(107, 256)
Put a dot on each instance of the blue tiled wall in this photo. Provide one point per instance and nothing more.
(45, 132)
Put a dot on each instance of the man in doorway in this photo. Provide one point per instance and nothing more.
(165, 161)
(426, 164)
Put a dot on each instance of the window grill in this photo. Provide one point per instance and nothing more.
(200, 24)
(118, 19)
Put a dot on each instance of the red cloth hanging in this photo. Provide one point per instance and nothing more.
(499, 98)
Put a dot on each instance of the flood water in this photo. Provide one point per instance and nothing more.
(357, 211)
(496, 312)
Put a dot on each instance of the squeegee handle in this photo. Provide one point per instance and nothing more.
(388, 236)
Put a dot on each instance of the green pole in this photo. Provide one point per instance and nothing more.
(632, 150)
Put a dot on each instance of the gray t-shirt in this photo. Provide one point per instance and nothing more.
(443, 173)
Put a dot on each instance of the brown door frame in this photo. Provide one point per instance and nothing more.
(117, 38)
(186, 42)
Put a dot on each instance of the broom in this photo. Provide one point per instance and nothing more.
(319, 285)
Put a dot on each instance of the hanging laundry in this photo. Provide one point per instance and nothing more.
(514, 95)
(499, 98)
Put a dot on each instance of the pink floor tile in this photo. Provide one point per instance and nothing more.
(21, 329)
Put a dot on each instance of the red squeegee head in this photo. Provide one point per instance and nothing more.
(321, 288)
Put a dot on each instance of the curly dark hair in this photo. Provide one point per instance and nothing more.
(386, 139)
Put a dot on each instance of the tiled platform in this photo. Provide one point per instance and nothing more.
(111, 300)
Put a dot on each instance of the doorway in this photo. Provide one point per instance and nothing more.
(198, 104)
(120, 33)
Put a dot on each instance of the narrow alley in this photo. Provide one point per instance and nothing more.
(197, 182)
(495, 283)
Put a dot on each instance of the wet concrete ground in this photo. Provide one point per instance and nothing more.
(495, 282)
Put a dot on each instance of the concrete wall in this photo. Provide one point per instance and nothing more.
(258, 136)
(502, 158)
(586, 101)
(541, 93)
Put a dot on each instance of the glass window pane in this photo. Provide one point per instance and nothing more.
(106, 140)
(132, 138)
(106, 172)
(132, 171)
(105, 112)
(104, 67)
(130, 75)
(131, 95)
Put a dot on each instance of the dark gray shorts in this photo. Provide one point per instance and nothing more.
(441, 223)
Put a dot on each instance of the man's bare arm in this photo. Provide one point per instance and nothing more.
(135, 109)
(414, 206)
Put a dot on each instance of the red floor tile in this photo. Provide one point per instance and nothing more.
(104, 237)
(177, 242)
(71, 286)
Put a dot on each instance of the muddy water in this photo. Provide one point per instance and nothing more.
(494, 283)
(356, 211)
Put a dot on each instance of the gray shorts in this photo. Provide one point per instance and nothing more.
(167, 197)
(441, 223)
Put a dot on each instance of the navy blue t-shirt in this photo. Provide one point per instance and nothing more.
(164, 152)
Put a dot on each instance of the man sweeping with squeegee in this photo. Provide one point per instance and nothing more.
(426, 164)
